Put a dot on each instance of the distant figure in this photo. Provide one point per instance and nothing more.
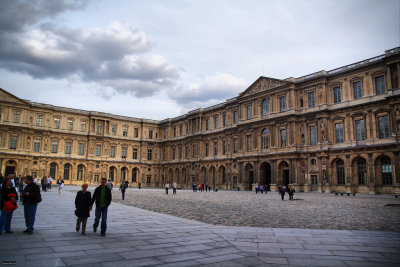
(44, 183)
(109, 184)
(279, 189)
(166, 188)
(82, 206)
(283, 191)
(140, 185)
(123, 187)
(291, 192)
(174, 188)
(60, 183)
(261, 189)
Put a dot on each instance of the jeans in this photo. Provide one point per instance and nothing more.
(283, 196)
(123, 194)
(174, 191)
(101, 212)
(166, 190)
(78, 224)
(5, 221)
(30, 213)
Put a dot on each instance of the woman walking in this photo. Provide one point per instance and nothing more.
(82, 205)
(9, 197)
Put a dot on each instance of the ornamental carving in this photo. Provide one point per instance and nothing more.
(263, 85)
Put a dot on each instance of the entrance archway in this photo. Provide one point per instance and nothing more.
(11, 166)
(284, 173)
(265, 173)
(249, 174)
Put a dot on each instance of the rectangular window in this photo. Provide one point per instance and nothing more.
(215, 148)
(16, 115)
(151, 134)
(149, 154)
(223, 148)
(114, 129)
(68, 148)
(282, 104)
(112, 152)
(207, 150)
(248, 142)
(83, 126)
(283, 137)
(36, 145)
(311, 99)
(360, 130)
(235, 117)
(224, 120)
(70, 125)
(383, 127)
(134, 153)
(357, 90)
(54, 146)
(164, 154)
(123, 155)
(98, 128)
(81, 149)
(125, 131)
(56, 123)
(13, 142)
(339, 133)
(337, 98)
(207, 125)
(235, 145)
(180, 130)
(136, 133)
(215, 122)
(174, 131)
(313, 135)
(39, 120)
(380, 85)
(180, 153)
(98, 150)
(249, 112)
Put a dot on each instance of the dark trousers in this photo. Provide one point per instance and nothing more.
(166, 190)
(5, 222)
(78, 224)
(123, 194)
(174, 191)
(30, 214)
(283, 196)
(101, 212)
(290, 197)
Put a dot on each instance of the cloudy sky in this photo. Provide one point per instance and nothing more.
(158, 59)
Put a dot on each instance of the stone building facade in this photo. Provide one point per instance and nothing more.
(330, 131)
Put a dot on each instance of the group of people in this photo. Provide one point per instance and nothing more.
(174, 185)
(202, 187)
(29, 194)
(283, 189)
(262, 189)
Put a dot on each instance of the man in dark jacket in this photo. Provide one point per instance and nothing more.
(82, 205)
(102, 196)
(31, 199)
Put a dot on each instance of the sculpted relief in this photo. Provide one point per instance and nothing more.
(264, 84)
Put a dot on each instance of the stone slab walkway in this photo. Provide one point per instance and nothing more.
(137, 237)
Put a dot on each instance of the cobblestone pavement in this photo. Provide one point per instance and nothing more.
(308, 210)
(138, 237)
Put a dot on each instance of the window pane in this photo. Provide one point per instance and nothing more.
(380, 85)
(13, 142)
(98, 150)
(313, 135)
(360, 130)
(311, 99)
(81, 149)
(340, 172)
(235, 117)
(68, 148)
(383, 127)
(337, 98)
(283, 137)
(249, 112)
(265, 107)
(282, 103)
(339, 133)
(57, 123)
(83, 126)
(54, 146)
(357, 90)
(36, 145)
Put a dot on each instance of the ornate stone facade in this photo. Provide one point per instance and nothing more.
(330, 131)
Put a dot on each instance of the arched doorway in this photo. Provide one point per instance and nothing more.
(184, 176)
(53, 170)
(80, 175)
(170, 176)
(135, 173)
(176, 178)
(222, 175)
(214, 175)
(112, 173)
(249, 174)
(124, 173)
(11, 167)
(284, 173)
(204, 174)
(265, 173)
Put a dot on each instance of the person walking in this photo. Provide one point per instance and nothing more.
(279, 189)
(9, 198)
(174, 188)
(256, 188)
(291, 192)
(43, 182)
(166, 188)
(82, 208)
(60, 183)
(102, 197)
(261, 189)
(283, 190)
(123, 187)
(21, 189)
(50, 181)
(109, 184)
(32, 198)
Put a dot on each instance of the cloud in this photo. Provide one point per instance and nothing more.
(210, 90)
(117, 56)
(15, 15)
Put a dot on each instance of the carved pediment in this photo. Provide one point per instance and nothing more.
(263, 84)
(7, 97)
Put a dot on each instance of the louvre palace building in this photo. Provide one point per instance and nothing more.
(329, 131)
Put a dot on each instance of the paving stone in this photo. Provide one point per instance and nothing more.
(270, 260)
(221, 251)
(315, 262)
(133, 262)
(306, 251)
(214, 259)
(92, 259)
(77, 247)
(145, 253)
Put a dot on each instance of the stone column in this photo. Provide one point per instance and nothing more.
(371, 175)
(348, 174)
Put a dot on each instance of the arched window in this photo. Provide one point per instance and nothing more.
(265, 139)
(340, 172)
(111, 173)
(265, 107)
(79, 176)
(362, 171)
(123, 173)
(386, 171)
(134, 175)
(67, 171)
(223, 175)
